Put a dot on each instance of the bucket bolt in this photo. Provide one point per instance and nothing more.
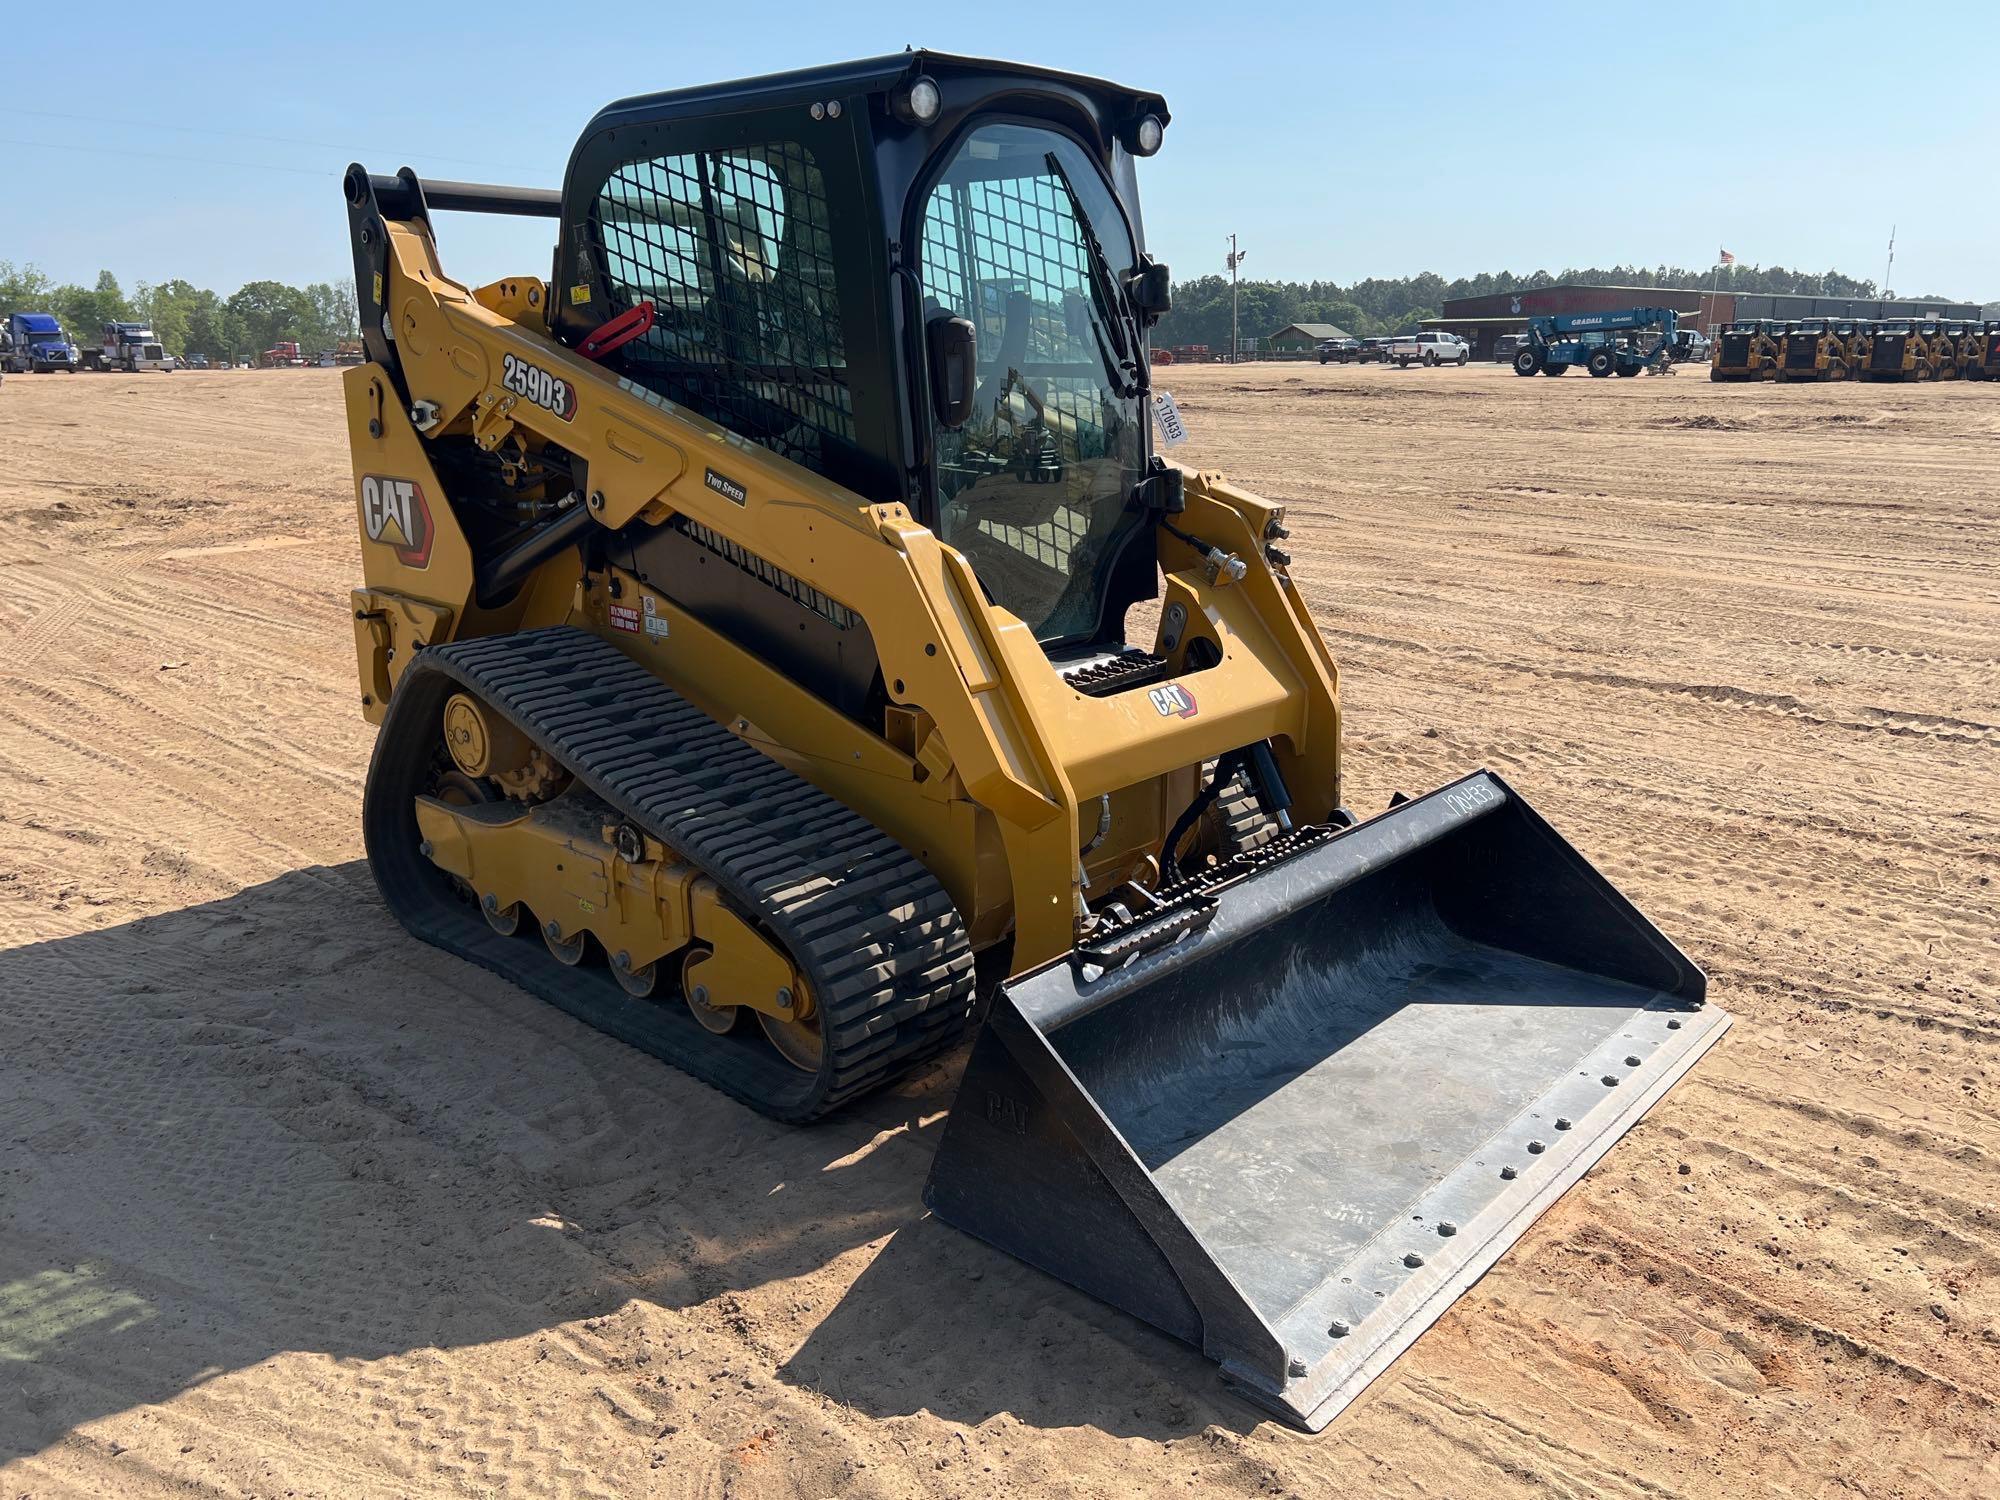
(1610, 1080)
(1338, 1329)
(1413, 1260)
(1296, 1368)
(1632, 1061)
(1536, 1148)
(1447, 1229)
(1508, 1174)
(1562, 1123)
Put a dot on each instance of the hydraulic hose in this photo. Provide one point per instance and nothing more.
(1170, 861)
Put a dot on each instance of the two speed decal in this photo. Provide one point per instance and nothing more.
(547, 391)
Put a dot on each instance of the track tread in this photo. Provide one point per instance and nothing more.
(879, 941)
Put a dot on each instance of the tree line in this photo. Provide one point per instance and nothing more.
(1385, 305)
(189, 319)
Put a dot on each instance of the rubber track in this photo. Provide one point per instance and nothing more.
(877, 938)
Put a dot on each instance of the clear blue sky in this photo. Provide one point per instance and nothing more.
(1338, 141)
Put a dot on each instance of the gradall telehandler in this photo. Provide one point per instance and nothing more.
(745, 619)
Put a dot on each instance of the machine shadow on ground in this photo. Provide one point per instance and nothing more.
(273, 1122)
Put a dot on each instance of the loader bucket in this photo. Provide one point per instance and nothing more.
(1293, 1134)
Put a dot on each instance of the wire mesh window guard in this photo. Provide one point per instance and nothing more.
(734, 251)
(1033, 487)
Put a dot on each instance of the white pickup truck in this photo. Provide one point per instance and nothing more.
(1428, 349)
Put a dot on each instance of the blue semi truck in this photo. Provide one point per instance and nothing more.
(35, 343)
(1597, 341)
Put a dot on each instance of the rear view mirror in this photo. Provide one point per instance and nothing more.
(1152, 290)
(953, 349)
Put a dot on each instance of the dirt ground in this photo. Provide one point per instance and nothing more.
(292, 1206)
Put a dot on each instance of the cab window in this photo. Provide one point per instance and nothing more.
(732, 247)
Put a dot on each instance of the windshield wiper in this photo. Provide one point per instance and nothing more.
(1115, 321)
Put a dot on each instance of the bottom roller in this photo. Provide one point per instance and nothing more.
(1294, 1134)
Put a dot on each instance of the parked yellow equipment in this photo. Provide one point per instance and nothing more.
(745, 620)
(1980, 351)
(1746, 349)
(1898, 350)
(1812, 349)
(1951, 348)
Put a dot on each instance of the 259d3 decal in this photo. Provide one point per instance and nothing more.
(547, 391)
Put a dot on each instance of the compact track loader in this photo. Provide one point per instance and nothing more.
(1981, 351)
(1746, 350)
(746, 623)
(1899, 350)
(1812, 349)
(1951, 348)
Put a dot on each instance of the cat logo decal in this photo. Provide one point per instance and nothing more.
(395, 513)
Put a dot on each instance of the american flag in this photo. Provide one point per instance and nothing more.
(1724, 258)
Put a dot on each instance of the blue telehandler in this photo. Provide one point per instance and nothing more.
(1556, 343)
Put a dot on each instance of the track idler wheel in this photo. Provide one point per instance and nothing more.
(566, 951)
(505, 920)
(720, 1019)
(639, 983)
(798, 1041)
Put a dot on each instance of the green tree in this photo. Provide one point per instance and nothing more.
(209, 329)
(264, 313)
(23, 288)
(333, 315)
(167, 307)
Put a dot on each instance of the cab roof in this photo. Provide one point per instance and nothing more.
(870, 75)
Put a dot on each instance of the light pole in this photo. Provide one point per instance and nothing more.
(1235, 260)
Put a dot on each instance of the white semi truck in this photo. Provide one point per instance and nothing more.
(131, 347)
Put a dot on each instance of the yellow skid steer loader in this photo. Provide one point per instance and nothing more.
(745, 617)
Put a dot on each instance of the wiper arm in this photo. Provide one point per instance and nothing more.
(1115, 320)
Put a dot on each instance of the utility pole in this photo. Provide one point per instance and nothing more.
(1888, 276)
(1235, 339)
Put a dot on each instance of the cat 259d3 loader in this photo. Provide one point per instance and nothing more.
(745, 620)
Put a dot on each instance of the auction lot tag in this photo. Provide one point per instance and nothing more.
(1167, 417)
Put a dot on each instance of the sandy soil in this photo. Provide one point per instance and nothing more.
(290, 1205)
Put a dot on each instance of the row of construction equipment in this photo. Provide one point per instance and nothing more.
(1856, 349)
